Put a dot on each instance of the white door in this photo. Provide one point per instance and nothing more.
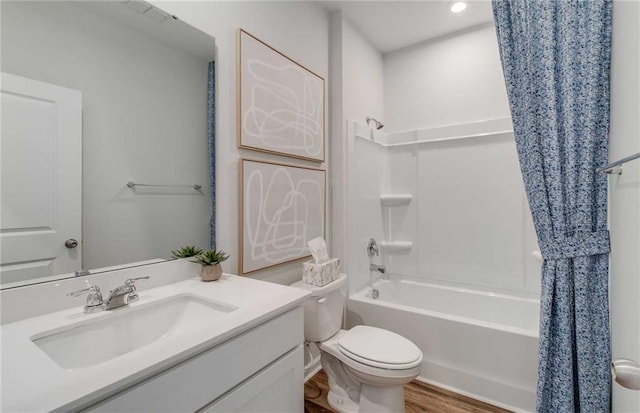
(41, 179)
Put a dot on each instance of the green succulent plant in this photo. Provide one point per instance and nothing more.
(186, 252)
(211, 257)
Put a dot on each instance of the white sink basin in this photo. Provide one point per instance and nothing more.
(124, 330)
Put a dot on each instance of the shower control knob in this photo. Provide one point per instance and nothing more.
(372, 247)
(71, 243)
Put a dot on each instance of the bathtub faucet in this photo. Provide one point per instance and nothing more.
(379, 268)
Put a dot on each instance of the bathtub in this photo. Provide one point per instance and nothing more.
(476, 343)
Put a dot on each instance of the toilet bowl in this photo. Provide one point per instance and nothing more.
(366, 366)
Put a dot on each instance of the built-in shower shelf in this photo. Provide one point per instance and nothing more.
(396, 247)
(395, 200)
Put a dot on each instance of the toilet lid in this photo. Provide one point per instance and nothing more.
(379, 348)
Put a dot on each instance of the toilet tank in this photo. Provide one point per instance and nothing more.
(323, 309)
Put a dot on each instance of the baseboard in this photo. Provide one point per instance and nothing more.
(312, 371)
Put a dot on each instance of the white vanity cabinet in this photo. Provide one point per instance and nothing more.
(259, 370)
(275, 389)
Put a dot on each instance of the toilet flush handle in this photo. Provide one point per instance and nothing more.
(322, 300)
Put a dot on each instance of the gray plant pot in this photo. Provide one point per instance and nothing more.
(211, 272)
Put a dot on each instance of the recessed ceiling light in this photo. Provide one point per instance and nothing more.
(458, 6)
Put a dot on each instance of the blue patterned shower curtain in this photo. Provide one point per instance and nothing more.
(211, 134)
(555, 56)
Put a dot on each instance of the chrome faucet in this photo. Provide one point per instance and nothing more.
(118, 297)
(123, 295)
(372, 249)
(380, 268)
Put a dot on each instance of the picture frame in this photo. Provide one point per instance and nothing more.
(282, 207)
(281, 103)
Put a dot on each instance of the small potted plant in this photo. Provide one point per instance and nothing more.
(210, 261)
(186, 252)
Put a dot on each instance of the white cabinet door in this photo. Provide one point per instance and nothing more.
(41, 168)
(276, 389)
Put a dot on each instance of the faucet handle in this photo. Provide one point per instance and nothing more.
(133, 295)
(92, 289)
(94, 299)
(372, 247)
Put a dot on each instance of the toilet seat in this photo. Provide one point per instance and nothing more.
(376, 347)
(377, 364)
(387, 372)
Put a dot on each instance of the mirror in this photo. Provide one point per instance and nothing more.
(96, 95)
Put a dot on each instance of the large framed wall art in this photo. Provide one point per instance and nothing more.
(282, 207)
(280, 103)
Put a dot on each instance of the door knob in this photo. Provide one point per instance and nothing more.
(626, 373)
(71, 243)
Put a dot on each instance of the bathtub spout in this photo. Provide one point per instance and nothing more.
(379, 268)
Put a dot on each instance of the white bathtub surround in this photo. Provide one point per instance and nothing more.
(28, 371)
(367, 170)
(485, 128)
(396, 247)
(476, 343)
(455, 193)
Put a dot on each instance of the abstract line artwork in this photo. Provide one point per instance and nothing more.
(282, 208)
(281, 103)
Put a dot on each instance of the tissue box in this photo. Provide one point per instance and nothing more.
(320, 274)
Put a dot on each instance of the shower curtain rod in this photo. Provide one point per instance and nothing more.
(614, 167)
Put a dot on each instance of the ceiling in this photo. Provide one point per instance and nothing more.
(391, 25)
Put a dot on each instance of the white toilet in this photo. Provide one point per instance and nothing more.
(366, 366)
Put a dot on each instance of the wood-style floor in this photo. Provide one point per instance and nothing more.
(419, 398)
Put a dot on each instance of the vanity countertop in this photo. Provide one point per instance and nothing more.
(31, 381)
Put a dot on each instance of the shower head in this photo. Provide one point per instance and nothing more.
(379, 125)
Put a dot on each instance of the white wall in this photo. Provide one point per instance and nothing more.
(363, 75)
(624, 195)
(356, 91)
(448, 80)
(144, 119)
(299, 29)
(338, 201)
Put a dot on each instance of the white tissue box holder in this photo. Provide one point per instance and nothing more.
(320, 274)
